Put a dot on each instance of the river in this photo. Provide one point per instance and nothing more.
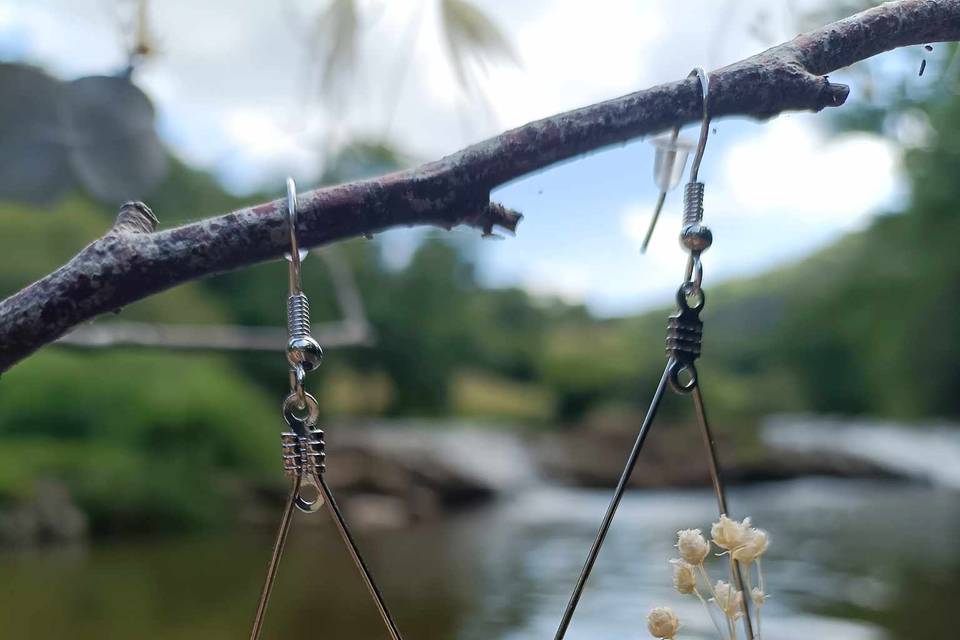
(850, 560)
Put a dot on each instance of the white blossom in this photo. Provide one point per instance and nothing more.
(663, 623)
(684, 576)
(728, 599)
(693, 547)
(752, 547)
(729, 534)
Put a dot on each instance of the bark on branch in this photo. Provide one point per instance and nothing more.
(132, 261)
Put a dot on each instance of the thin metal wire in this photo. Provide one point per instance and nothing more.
(358, 560)
(653, 221)
(612, 508)
(710, 444)
(274, 563)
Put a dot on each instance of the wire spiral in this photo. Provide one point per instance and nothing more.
(298, 316)
(303, 455)
(684, 338)
(693, 203)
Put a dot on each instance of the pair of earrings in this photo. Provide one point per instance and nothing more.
(303, 444)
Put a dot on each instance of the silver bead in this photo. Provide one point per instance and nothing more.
(304, 351)
(696, 237)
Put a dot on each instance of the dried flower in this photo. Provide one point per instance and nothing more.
(692, 545)
(663, 623)
(728, 599)
(758, 596)
(684, 577)
(753, 546)
(729, 534)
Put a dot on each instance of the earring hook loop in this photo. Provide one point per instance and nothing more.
(704, 80)
(294, 257)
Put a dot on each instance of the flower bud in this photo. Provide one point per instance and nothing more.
(684, 576)
(753, 546)
(663, 623)
(692, 545)
(729, 534)
(758, 596)
(728, 599)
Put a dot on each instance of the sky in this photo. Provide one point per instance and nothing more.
(235, 92)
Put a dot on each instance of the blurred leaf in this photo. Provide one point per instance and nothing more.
(362, 159)
(98, 131)
(115, 150)
(472, 36)
(33, 159)
(337, 33)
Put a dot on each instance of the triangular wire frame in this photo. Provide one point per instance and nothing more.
(304, 461)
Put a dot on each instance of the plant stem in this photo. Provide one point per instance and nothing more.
(749, 594)
(706, 606)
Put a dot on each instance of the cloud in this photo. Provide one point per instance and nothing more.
(790, 167)
(545, 277)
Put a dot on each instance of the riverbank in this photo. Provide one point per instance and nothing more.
(392, 475)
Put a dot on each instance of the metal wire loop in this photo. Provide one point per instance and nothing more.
(294, 256)
(300, 423)
(676, 370)
(704, 125)
(297, 377)
(693, 278)
(691, 297)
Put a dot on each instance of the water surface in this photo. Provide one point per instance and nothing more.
(849, 561)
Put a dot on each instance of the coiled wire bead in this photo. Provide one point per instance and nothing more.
(303, 455)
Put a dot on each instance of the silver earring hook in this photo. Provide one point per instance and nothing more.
(303, 352)
(671, 157)
(705, 124)
(295, 257)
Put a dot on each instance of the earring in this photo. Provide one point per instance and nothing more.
(684, 337)
(303, 444)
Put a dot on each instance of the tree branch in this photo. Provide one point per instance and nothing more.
(132, 261)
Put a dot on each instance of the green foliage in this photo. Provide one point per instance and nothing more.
(362, 159)
(887, 318)
(144, 440)
(472, 35)
(336, 35)
(487, 396)
(187, 194)
(65, 228)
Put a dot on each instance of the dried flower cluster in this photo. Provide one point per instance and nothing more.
(743, 544)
